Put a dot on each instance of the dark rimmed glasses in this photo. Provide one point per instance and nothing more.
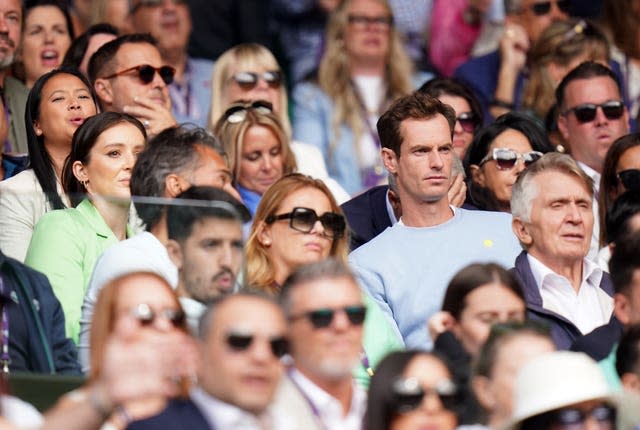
(237, 112)
(587, 112)
(144, 314)
(468, 121)
(146, 73)
(248, 80)
(322, 318)
(364, 20)
(240, 342)
(304, 219)
(543, 8)
(506, 158)
(408, 394)
(630, 179)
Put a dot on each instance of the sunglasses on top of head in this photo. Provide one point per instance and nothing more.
(146, 73)
(544, 8)
(303, 220)
(248, 80)
(322, 318)
(408, 394)
(587, 112)
(237, 112)
(240, 342)
(506, 158)
(147, 316)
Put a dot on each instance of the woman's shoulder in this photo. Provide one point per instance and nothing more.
(23, 181)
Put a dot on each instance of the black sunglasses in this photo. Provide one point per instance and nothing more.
(468, 121)
(363, 20)
(241, 342)
(146, 316)
(408, 394)
(322, 318)
(146, 73)
(587, 112)
(303, 220)
(506, 158)
(248, 80)
(570, 418)
(237, 112)
(630, 179)
(544, 8)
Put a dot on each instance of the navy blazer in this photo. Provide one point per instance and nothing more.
(600, 342)
(179, 414)
(563, 332)
(367, 215)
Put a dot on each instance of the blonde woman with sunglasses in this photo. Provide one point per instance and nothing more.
(249, 71)
(257, 148)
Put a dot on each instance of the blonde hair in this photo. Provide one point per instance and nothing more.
(334, 77)
(259, 267)
(243, 57)
(232, 137)
(561, 43)
(104, 320)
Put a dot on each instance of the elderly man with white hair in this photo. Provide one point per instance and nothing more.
(553, 220)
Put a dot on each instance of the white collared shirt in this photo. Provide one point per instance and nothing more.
(587, 309)
(328, 408)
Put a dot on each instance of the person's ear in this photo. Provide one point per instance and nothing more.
(390, 160)
(630, 381)
(622, 308)
(265, 235)
(563, 127)
(175, 253)
(481, 386)
(521, 230)
(174, 185)
(104, 91)
(80, 172)
(477, 175)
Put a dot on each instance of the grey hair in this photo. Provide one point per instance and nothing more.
(525, 190)
(329, 268)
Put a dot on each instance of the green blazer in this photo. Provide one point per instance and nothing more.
(65, 246)
(15, 97)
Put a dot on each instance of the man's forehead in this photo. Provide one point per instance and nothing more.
(10, 6)
(553, 184)
(592, 87)
(249, 313)
(136, 54)
(324, 291)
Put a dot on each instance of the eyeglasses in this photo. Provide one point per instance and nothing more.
(237, 112)
(154, 3)
(146, 316)
(569, 418)
(506, 158)
(409, 393)
(241, 342)
(248, 80)
(630, 179)
(544, 8)
(322, 318)
(146, 73)
(304, 219)
(363, 20)
(468, 121)
(587, 112)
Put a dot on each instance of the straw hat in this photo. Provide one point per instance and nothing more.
(555, 380)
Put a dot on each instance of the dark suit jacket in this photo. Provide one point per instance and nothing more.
(179, 414)
(367, 215)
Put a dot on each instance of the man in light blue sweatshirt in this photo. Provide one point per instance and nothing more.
(406, 269)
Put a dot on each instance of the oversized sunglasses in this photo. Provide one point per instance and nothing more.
(544, 8)
(363, 20)
(237, 112)
(322, 318)
(506, 158)
(146, 73)
(147, 316)
(408, 394)
(468, 121)
(303, 220)
(630, 179)
(570, 418)
(241, 342)
(587, 112)
(248, 80)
